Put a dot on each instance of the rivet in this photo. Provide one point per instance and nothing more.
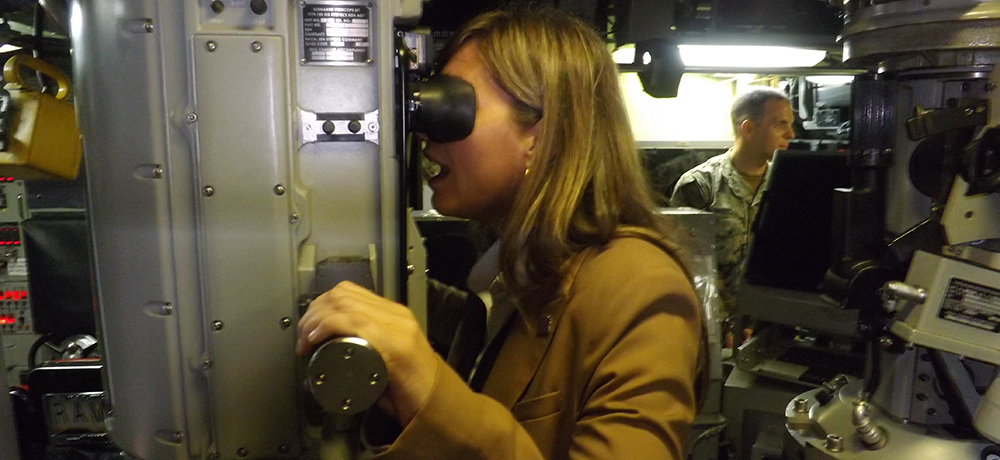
(208, 190)
(303, 60)
(295, 218)
(211, 46)
(285, 323)
(279, 189)
(158, 172)
(348, 353)
(320, 379)
(256, 47)
(191, 117)
(206, 364)
(410, 269)
(284, 449)
(242, 452)
(373, 379)
(302, 3)
(217, 325)
(148, 26)
(178, 437)
(372, 127)
(346, 405)
(213, 456)
(167, 309)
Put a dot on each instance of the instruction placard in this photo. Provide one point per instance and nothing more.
(336, 34)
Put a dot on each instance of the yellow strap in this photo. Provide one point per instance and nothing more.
(12, 75)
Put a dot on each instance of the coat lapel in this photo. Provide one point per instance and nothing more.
(523, 350)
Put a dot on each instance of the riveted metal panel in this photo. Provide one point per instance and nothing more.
(247, 231)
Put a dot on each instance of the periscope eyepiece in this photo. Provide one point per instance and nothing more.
(443, 108)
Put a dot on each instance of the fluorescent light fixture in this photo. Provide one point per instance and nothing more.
(8, 48)
(624, 55)
(830, 80)
(746, 56)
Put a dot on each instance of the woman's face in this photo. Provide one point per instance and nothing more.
(480, 175)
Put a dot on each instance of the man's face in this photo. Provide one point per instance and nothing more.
(774, 129)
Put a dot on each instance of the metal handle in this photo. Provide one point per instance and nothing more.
(12, 74)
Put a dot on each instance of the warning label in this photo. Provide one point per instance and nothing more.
(336, 34)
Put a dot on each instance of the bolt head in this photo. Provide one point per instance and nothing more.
(279, 189)
(217, 325)
(256, 47)
(211, 46)
(208, 190)
(286, 323)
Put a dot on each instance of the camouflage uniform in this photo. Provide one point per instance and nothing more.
(716, 186)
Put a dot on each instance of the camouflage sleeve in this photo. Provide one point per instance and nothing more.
(690, 193)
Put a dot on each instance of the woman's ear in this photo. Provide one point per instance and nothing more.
(531, 139)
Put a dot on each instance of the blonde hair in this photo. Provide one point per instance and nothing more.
(586, 179)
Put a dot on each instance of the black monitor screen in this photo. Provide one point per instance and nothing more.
(790, 247)
(57, 250)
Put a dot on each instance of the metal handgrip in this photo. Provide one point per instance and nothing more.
(346, 376)
(12, 75)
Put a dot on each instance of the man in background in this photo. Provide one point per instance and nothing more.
(729, 185)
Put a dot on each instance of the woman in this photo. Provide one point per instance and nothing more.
(595, 329)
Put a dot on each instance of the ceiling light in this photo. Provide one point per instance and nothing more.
(830, 80)
(745, 56)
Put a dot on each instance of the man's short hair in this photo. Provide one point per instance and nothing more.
(749, 104)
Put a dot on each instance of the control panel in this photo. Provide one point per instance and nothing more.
(16, 331)
(15, 313)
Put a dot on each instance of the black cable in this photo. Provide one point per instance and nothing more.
(38, 26)
(42, 340)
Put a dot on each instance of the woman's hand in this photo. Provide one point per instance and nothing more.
(349, 310)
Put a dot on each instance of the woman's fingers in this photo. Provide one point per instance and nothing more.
(390, 328)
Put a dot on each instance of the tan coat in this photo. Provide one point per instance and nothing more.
(606, 371)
